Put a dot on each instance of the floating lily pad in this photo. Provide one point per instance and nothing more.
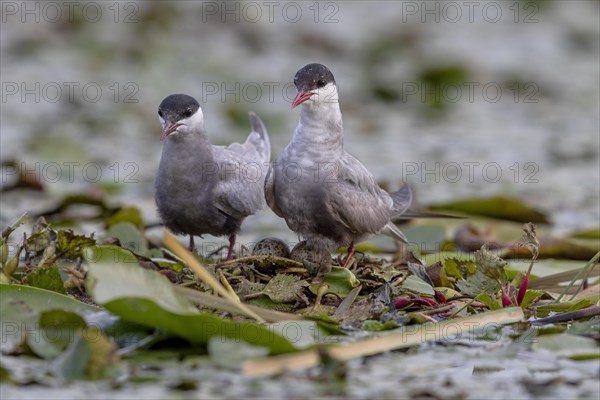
(149, 299)
(567, 345)
(592, 233)
(428, 238)
(564, 307)
(126, 214)
(21, 307)
(301, 334)
(499, 207)
(230, 353)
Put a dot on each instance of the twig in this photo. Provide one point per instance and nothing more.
(462, 308)
(404, 337)
(225, 283)
(263, 262)
(205, 275)
(217, 303)
(569, 316)
(438, 310)
(294, 270)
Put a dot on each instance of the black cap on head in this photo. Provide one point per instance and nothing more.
(177, 107)
(313, 76)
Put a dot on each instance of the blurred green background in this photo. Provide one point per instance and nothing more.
(459, 99)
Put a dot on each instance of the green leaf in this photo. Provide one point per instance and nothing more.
(459, 268)
(103, 353)
(21, 307)
(567, 306)
(90, 355)
(377, 326)
(42, 237)
(71, 245)
(284, 288)
(493, 303)
(56, 329)
(590, 327)
(592, 233)
(437, 274)
(477, 284)
(73, 362)
(566, 345)
(126, 214)
(11, 266)
(301, 334)
(10, 229)
(428, 238)
(46, 278)
(4, 253)
(129, 236)
(531, 296)
(230, 353)
(418, 285)
(266, 302)
(499, 207)
(340, 280)
(149, 299)
(490, 264)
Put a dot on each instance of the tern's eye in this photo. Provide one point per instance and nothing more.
(188, 113)
(321, 83)
(160, 114)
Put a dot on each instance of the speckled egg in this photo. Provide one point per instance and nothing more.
(301, 252)
(271, 247)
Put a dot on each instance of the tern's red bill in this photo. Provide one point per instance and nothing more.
(168, 129)
(300, 98)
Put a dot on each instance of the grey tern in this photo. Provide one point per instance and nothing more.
(202, 188)
(324, 194)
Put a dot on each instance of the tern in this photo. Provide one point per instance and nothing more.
(202, 188)
(326, 195)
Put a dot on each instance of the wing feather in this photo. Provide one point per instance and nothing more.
(356, 201)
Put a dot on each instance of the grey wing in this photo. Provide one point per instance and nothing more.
(239, 191)
(269, 190)
(356, 201)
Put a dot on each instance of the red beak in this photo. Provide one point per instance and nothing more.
(300, 98)
(169, 128)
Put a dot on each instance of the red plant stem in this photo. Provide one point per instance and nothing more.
(525, 283)
(505, 299)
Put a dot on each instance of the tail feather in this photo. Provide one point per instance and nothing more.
(402, 200)
(392, 230)
(259, 138)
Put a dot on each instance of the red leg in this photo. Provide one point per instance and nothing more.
(192, 247)
(230, 249)
(351, 250)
